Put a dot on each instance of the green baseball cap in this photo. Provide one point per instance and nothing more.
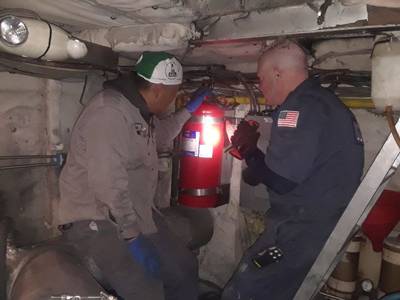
(159, 67)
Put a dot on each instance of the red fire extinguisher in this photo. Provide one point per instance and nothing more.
(200, 165)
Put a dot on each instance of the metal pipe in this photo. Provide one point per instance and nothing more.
(331, 296)
(5, 157)
(350, 102)
(3, 168)
(392, 124)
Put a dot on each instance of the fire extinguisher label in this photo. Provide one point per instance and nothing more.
(206, 151)
(191, 142)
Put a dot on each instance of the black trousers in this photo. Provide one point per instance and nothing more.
(99, 242)
(179, 266)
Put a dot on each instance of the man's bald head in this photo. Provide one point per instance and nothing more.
(280, 70)
(284, 55)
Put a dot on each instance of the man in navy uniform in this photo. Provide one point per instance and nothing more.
(312, 168)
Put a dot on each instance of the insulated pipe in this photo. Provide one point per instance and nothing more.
(379, 3)
(385, 63)
(45, 41)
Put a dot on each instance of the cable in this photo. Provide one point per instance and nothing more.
(322, 11)
(49, 41)
(209, 25)
(254, 106)
(83, 91)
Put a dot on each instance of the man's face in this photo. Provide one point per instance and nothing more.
(166, 94)
(270, 83)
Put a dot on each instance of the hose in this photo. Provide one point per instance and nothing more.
(254, 106)
(392, 124)
(393, 296)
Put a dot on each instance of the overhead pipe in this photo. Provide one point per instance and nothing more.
(9, 157)
(41, 40)
(13, 167)
(56, 160)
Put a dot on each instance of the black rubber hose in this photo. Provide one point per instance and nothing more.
(392, 296)
(4, 231)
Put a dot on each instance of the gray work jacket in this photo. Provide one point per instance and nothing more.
(112, 166)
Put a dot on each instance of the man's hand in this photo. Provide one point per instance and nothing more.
(197, 99)
(145, 253)
(245, 138)
(250, 178)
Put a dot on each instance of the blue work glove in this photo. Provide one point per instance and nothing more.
(145, 253)
(197, 98)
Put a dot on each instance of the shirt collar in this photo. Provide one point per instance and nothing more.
(307, 84)
(125, 84)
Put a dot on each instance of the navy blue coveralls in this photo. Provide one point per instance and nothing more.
(312, 168)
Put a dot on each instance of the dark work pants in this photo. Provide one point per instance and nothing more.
(112, 257)
(179, 266)
(179, 273)
(300, 243)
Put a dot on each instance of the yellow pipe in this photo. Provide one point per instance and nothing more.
(350, 102)
(359, 102)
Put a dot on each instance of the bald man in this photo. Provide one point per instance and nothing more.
(312, 168)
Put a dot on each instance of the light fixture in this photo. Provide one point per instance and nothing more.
(38, 39)
(13, 31)
(76, 49)
(367, 285)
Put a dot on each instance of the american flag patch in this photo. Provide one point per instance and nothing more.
(288, 118)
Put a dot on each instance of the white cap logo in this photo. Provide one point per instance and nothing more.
(170, 70)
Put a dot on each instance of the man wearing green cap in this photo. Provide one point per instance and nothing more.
(108, 184)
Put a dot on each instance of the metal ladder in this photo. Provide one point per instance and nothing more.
(371, 187)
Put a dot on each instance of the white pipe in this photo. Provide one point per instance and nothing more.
(40, 37)
(381, 3)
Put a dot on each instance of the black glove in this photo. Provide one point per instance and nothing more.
(249, 177)
(245, 138)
